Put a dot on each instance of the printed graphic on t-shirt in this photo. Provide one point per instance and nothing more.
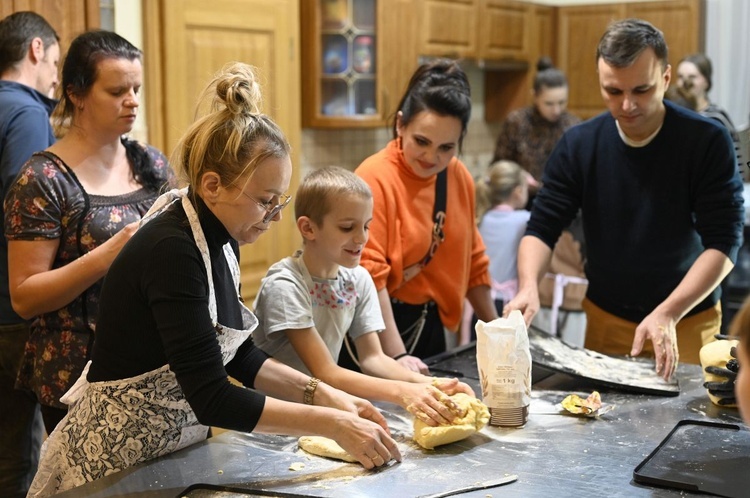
(329, 295)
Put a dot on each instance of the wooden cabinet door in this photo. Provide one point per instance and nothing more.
(679, 20)
(195, 39)
(579, 30)
(70, 18)
(505, 30)
(449, 28)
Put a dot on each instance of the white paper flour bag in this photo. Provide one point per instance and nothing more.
(504, 363)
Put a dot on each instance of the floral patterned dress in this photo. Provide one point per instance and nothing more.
(48, 202)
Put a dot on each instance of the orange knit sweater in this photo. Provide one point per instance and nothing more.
(400, 234)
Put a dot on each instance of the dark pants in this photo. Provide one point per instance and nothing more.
(431, 340)
(21, 427)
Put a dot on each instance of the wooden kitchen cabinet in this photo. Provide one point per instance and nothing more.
(505, 30)
(448, 28)
(476, 29)
(581, 27)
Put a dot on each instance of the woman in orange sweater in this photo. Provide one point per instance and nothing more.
(425, 253)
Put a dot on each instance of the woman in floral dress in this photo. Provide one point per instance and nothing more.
(71, 210)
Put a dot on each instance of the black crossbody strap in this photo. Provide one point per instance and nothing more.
(437, 236)
(438, 215)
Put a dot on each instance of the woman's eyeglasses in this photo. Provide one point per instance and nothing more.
(271, 209)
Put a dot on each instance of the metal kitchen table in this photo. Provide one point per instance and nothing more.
(553, 454)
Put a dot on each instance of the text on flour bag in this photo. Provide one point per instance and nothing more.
(504, 363)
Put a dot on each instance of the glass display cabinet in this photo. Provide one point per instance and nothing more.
(340, 84)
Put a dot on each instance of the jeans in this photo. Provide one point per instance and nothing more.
(21, 426)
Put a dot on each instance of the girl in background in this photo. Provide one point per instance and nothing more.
(501, 201)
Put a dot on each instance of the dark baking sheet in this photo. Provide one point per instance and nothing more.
(698, 456)
(623, 374)
(460, 362)
(201, 490)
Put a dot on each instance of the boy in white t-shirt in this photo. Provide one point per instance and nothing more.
(309, 302)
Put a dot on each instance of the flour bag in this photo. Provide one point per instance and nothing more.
(504, 363)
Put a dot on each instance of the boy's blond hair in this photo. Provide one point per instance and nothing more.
(321, 188)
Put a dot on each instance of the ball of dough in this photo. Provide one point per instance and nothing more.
(477, 416)
(716, 353)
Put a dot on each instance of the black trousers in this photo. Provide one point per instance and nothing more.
(431, 340)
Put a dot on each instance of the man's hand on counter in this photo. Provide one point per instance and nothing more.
(662, 332)
(526, 301)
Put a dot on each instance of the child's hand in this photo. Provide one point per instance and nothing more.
(414, 364)
(431, 405)
(451, 386)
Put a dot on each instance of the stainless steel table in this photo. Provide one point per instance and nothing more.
(553, 454)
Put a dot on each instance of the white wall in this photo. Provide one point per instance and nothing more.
(728, 47)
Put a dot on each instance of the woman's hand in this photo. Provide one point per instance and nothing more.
(365, 441)
(118, 240)
(429, 404)
(326, 395)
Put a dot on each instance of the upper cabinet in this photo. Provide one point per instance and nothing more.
(449, 29)
(505, 30)
(358, 55)
(344, 43)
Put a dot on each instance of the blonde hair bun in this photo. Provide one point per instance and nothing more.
(238, 90)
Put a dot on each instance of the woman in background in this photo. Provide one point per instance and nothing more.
(694, 74)
(73, 207)
(528, 135)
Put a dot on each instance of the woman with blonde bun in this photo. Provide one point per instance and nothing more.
(172, 327)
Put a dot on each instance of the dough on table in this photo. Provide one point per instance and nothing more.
(322, 446)
(477, 416)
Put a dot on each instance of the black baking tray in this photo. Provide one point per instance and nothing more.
(700, 456)
(202, 490)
